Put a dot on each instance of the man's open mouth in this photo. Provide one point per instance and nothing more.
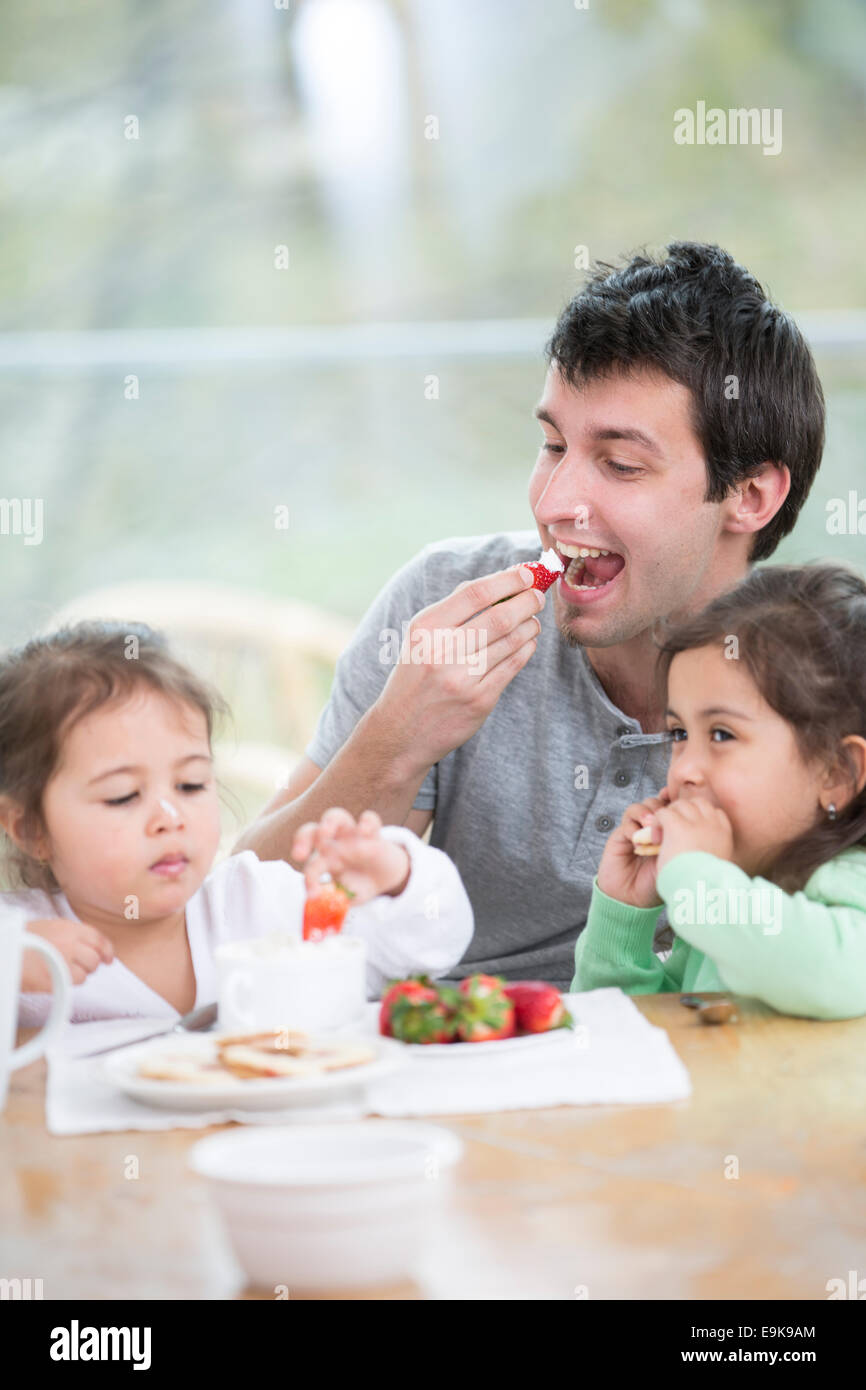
(587, 567)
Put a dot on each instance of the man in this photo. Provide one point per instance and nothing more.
(683, 425)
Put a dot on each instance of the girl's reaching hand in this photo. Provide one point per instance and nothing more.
(695, 824)
(624, 875)
(82, 947)
(353, 853)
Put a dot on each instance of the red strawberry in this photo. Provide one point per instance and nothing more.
(544, 577)
(484, 1013)
(538, 1007)
(324, 911)
(416, 1011)
(544, 571)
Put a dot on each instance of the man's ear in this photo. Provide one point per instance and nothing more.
(838, 787)
(19, 827)
(754, 501)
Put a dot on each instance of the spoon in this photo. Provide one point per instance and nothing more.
(198, 1021)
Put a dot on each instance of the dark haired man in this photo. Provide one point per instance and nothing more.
(683, 425)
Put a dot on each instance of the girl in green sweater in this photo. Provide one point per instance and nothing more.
(761, 827)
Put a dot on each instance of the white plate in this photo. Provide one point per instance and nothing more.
(269, 1093)
(501, 1047)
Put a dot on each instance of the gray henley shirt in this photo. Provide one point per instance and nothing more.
(525, 806)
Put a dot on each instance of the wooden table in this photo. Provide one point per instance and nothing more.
(604, 1202)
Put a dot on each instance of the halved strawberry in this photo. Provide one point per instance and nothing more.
(484, 1012)
(417, 1011)
(538, 1007)
(325, 910)
(546, 570)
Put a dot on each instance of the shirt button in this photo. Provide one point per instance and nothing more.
(603, 823)
(622, 729)
(622, 778)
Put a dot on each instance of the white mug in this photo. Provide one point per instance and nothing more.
(14, 940)
(280, 982)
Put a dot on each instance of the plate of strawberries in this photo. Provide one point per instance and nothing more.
(483, 1010)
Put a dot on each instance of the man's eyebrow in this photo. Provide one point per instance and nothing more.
(713, 709)
(605, 432)
(541, 414)
(115, 771)
(635, 436)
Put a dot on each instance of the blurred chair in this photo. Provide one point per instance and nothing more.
(271, 659)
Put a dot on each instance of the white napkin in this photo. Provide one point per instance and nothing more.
(614, 1056)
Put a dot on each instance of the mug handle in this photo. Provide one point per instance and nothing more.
(237, 982)
(60, 1003)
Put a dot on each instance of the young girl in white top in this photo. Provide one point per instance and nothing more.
(110, 817)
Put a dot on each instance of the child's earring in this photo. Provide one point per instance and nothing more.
(831, 811)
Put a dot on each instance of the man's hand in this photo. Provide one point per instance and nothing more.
(82, 947)
(622, 874)
(353, 853)
(429, 706)
(458, 657)
(694, 825)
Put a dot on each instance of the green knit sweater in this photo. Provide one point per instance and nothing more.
(803, 953)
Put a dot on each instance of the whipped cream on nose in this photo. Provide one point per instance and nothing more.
(169, 809)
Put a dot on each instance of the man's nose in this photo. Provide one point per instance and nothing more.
(567, 494)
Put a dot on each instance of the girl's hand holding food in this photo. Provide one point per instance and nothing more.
(622, 874)
(353, 853)
(82, 947)
(695, 824)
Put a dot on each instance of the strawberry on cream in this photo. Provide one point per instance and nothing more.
(544, 571)
(550, 562)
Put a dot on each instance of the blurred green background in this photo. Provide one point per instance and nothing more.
(306, 128)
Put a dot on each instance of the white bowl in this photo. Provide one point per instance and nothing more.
(328, 1206)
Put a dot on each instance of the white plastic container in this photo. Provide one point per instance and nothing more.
(328, 1206)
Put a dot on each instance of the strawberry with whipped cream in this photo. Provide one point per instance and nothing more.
(544, 571)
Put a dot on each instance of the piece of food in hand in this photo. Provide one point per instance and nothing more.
(484, 1011)
(544, 571)
(538, 1007)
(417, 1011)
(642, 841)
(325, 911)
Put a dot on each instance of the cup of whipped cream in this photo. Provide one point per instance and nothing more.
(278, 981)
